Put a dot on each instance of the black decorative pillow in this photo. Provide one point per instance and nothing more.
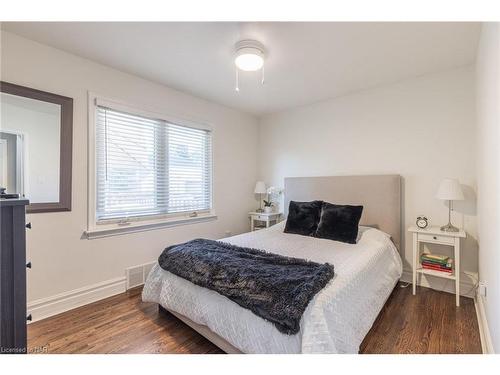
(303, 217)
(339, 222)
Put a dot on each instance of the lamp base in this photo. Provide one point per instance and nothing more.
(449, 228)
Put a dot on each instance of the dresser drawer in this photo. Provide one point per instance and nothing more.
(436, 238)
(261, 217)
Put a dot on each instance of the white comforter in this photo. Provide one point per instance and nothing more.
(336, 320)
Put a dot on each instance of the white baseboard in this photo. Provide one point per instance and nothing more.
(46, 307)
(484, 332)
(468, 283)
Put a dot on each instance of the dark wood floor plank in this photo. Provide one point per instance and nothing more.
(426, 323)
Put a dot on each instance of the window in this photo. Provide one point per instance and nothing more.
(147, 167)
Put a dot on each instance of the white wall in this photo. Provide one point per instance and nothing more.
(488, 164)
(422, 129)
(62, 260)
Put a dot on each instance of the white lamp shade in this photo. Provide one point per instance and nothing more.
(260, 187)
(249, 55)
(249, 61)
(450, 190)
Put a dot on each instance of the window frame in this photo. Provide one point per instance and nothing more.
(110, 227)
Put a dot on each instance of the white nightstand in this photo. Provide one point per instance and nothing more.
(434, 235)
(267, 218)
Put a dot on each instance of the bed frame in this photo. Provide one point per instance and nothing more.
(204, 331)
(379, 194)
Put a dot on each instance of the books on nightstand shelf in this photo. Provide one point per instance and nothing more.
(437, 262)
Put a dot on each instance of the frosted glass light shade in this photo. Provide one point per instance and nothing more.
(260, 187)
(249, 62)
(249, 55)
(450, 190)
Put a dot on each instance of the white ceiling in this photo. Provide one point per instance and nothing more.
(306, 62)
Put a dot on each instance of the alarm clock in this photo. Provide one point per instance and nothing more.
(422, 222)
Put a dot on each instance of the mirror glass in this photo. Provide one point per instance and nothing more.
(30, 138)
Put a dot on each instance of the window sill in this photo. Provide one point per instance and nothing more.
(142, 227)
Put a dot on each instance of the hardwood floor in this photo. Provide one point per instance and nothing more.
(426, 323)
(119, 324)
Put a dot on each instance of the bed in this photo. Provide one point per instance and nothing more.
(341, 314)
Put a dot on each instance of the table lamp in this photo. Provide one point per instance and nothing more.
(260, 188)
(450, 190)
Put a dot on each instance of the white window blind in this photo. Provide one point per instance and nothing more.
(146, 166)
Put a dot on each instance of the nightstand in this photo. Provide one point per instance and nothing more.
(266, 219)
(434, 235)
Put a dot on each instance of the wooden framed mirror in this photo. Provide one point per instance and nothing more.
(36, 142)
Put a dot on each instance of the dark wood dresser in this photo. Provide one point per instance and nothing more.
(13, 275)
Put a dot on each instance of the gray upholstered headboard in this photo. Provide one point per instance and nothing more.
(379, 194)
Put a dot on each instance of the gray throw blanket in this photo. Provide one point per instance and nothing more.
(272, 286)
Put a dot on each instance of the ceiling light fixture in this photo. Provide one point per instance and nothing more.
(249, 57)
